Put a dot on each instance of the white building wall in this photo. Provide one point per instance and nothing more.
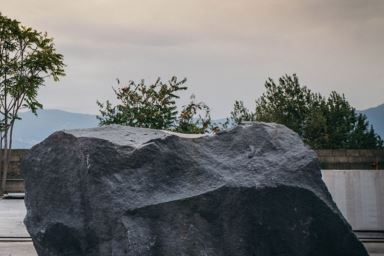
(359, 194)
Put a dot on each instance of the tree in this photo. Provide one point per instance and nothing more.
(148, 106)
(315, 128)
(287, 103)
(328, 123)
(154, 106)
(341, 119)
(191, 121)
(363, 136)
(240, 113)
(27, 59)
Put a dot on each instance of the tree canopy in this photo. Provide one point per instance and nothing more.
(141, 105)
(194, 118)
(330, 123)
(154, 106)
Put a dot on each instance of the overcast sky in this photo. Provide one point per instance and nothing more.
(226, 48)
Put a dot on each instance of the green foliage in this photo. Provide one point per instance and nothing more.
(363, 135)
(327, 123)
(148, 106)
(315, 126)
(191, 121)
(27, 59)
(341, 119)
(240, 113)
(286, 103)
(154, 106)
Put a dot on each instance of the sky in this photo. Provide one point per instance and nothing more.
(225, 48)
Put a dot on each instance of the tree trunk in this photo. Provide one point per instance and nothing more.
(5, 164)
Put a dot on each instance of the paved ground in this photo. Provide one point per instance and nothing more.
(17, 249)
(12, 212)
(375, 249)
(15, 241)
(14, 238)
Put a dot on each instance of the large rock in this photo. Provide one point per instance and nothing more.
(254, 190)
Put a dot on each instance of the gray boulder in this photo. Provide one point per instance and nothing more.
(253, 190)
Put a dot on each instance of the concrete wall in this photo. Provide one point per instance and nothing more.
(359, 194)
(349, 159)
(14, 186)
(14, 168)
(14, 180)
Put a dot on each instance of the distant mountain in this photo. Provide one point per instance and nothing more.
(376, 118)
(32, 129)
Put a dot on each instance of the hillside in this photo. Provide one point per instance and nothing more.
(375, 116)
(33, 129)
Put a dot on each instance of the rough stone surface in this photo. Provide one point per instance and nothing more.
(254, 190)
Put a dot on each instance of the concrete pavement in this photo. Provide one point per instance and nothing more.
(17, 249)
(12, 213)
(14, 238)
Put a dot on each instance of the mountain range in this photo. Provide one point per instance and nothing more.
(32, 129)
(375, 117)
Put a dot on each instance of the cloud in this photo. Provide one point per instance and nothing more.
(226, 48)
